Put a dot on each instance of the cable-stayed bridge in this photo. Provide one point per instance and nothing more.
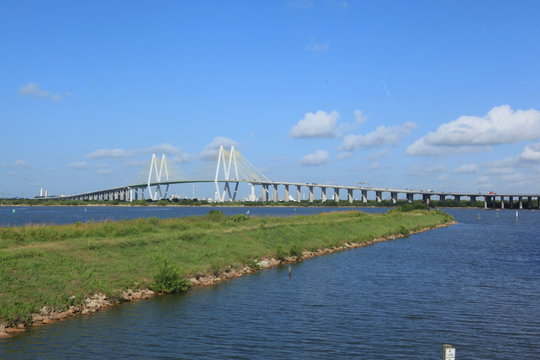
(232, 169)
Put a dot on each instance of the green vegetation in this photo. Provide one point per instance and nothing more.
(57, 266)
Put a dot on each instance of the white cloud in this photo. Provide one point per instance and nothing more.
(33, 89)
(211, 150)
(178, 155)
(359, 117)
(380, 137)
(317, 47)
(531, 153)
(501, 125)
(344, 155)
(78, 165)
(104, 172)
(466, 169)
(425, 170)
(318, 125)
(319, 157)
(21, 163)
(109, 154)
(377, 155)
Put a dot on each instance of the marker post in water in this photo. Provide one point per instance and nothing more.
(449, 352)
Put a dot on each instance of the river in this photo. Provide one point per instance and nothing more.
(475, 285)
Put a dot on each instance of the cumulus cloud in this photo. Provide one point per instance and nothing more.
(319, 157)
(78, 165)
(212, 149)
(359, 117)
(501, 125)
(179, 156)
(33, 89)
(466, 169)
(20, 163)
(316, 125)
(425, 170)
(531, 153)
(317, 47)
(109, 154)
(377, 155)
(104, 171)
(379, 137)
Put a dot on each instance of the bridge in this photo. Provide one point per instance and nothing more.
(233, 169)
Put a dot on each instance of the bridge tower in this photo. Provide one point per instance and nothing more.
(155, 176)
(232, 168)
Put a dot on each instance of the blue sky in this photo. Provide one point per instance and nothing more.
(440, 95)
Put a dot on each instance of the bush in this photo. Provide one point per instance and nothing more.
(404, 231)
(216, 216)
(281, 254)
(169, 280)
(238, 218)
(296, 250)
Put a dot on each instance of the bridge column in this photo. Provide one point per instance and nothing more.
(393, 195)
(378, 196)
(264, 192)
(502, 202)
(410, 198)
(529, 202)
(472, 199)
(426, 198)
(286, 193)
(323, 194)
(511, 202)
(457, 199)
(336, 194)
(298, 193)
(275, 194)
(350, 195)
(364, 196)
(311, 197)
(520, 202)
(442, 197)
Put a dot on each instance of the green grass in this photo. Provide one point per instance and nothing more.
(45, 265)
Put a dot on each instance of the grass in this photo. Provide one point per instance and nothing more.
(48, 265)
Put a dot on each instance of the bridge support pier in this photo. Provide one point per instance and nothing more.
(364, 196)
(350, 195)
(378, 196)
(275, 193)
(457, 199)
(410, 198)
(286, 193)
(323, 194)
(393, 196)
(264, 193)
(298, 193)
(336, 195)
(311, 197)
(426, 199)
(472, 199)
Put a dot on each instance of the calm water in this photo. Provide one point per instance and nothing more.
(475, 285)
(14, 216)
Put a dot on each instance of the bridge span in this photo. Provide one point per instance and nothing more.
(233, 169)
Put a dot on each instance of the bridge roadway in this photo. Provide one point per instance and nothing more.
(136, 192)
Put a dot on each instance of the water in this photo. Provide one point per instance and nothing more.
(475, 285)
(15, 216)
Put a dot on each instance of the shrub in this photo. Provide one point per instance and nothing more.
(169, 280)
(404, 231)
(238, 218)
(216, 215)
(296, 250)
(281, 254)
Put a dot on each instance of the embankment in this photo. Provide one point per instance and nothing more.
(48, 273)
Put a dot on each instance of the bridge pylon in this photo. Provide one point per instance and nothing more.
(158, 172)
(232, 168)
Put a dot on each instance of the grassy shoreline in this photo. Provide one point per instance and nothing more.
(59, 266)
